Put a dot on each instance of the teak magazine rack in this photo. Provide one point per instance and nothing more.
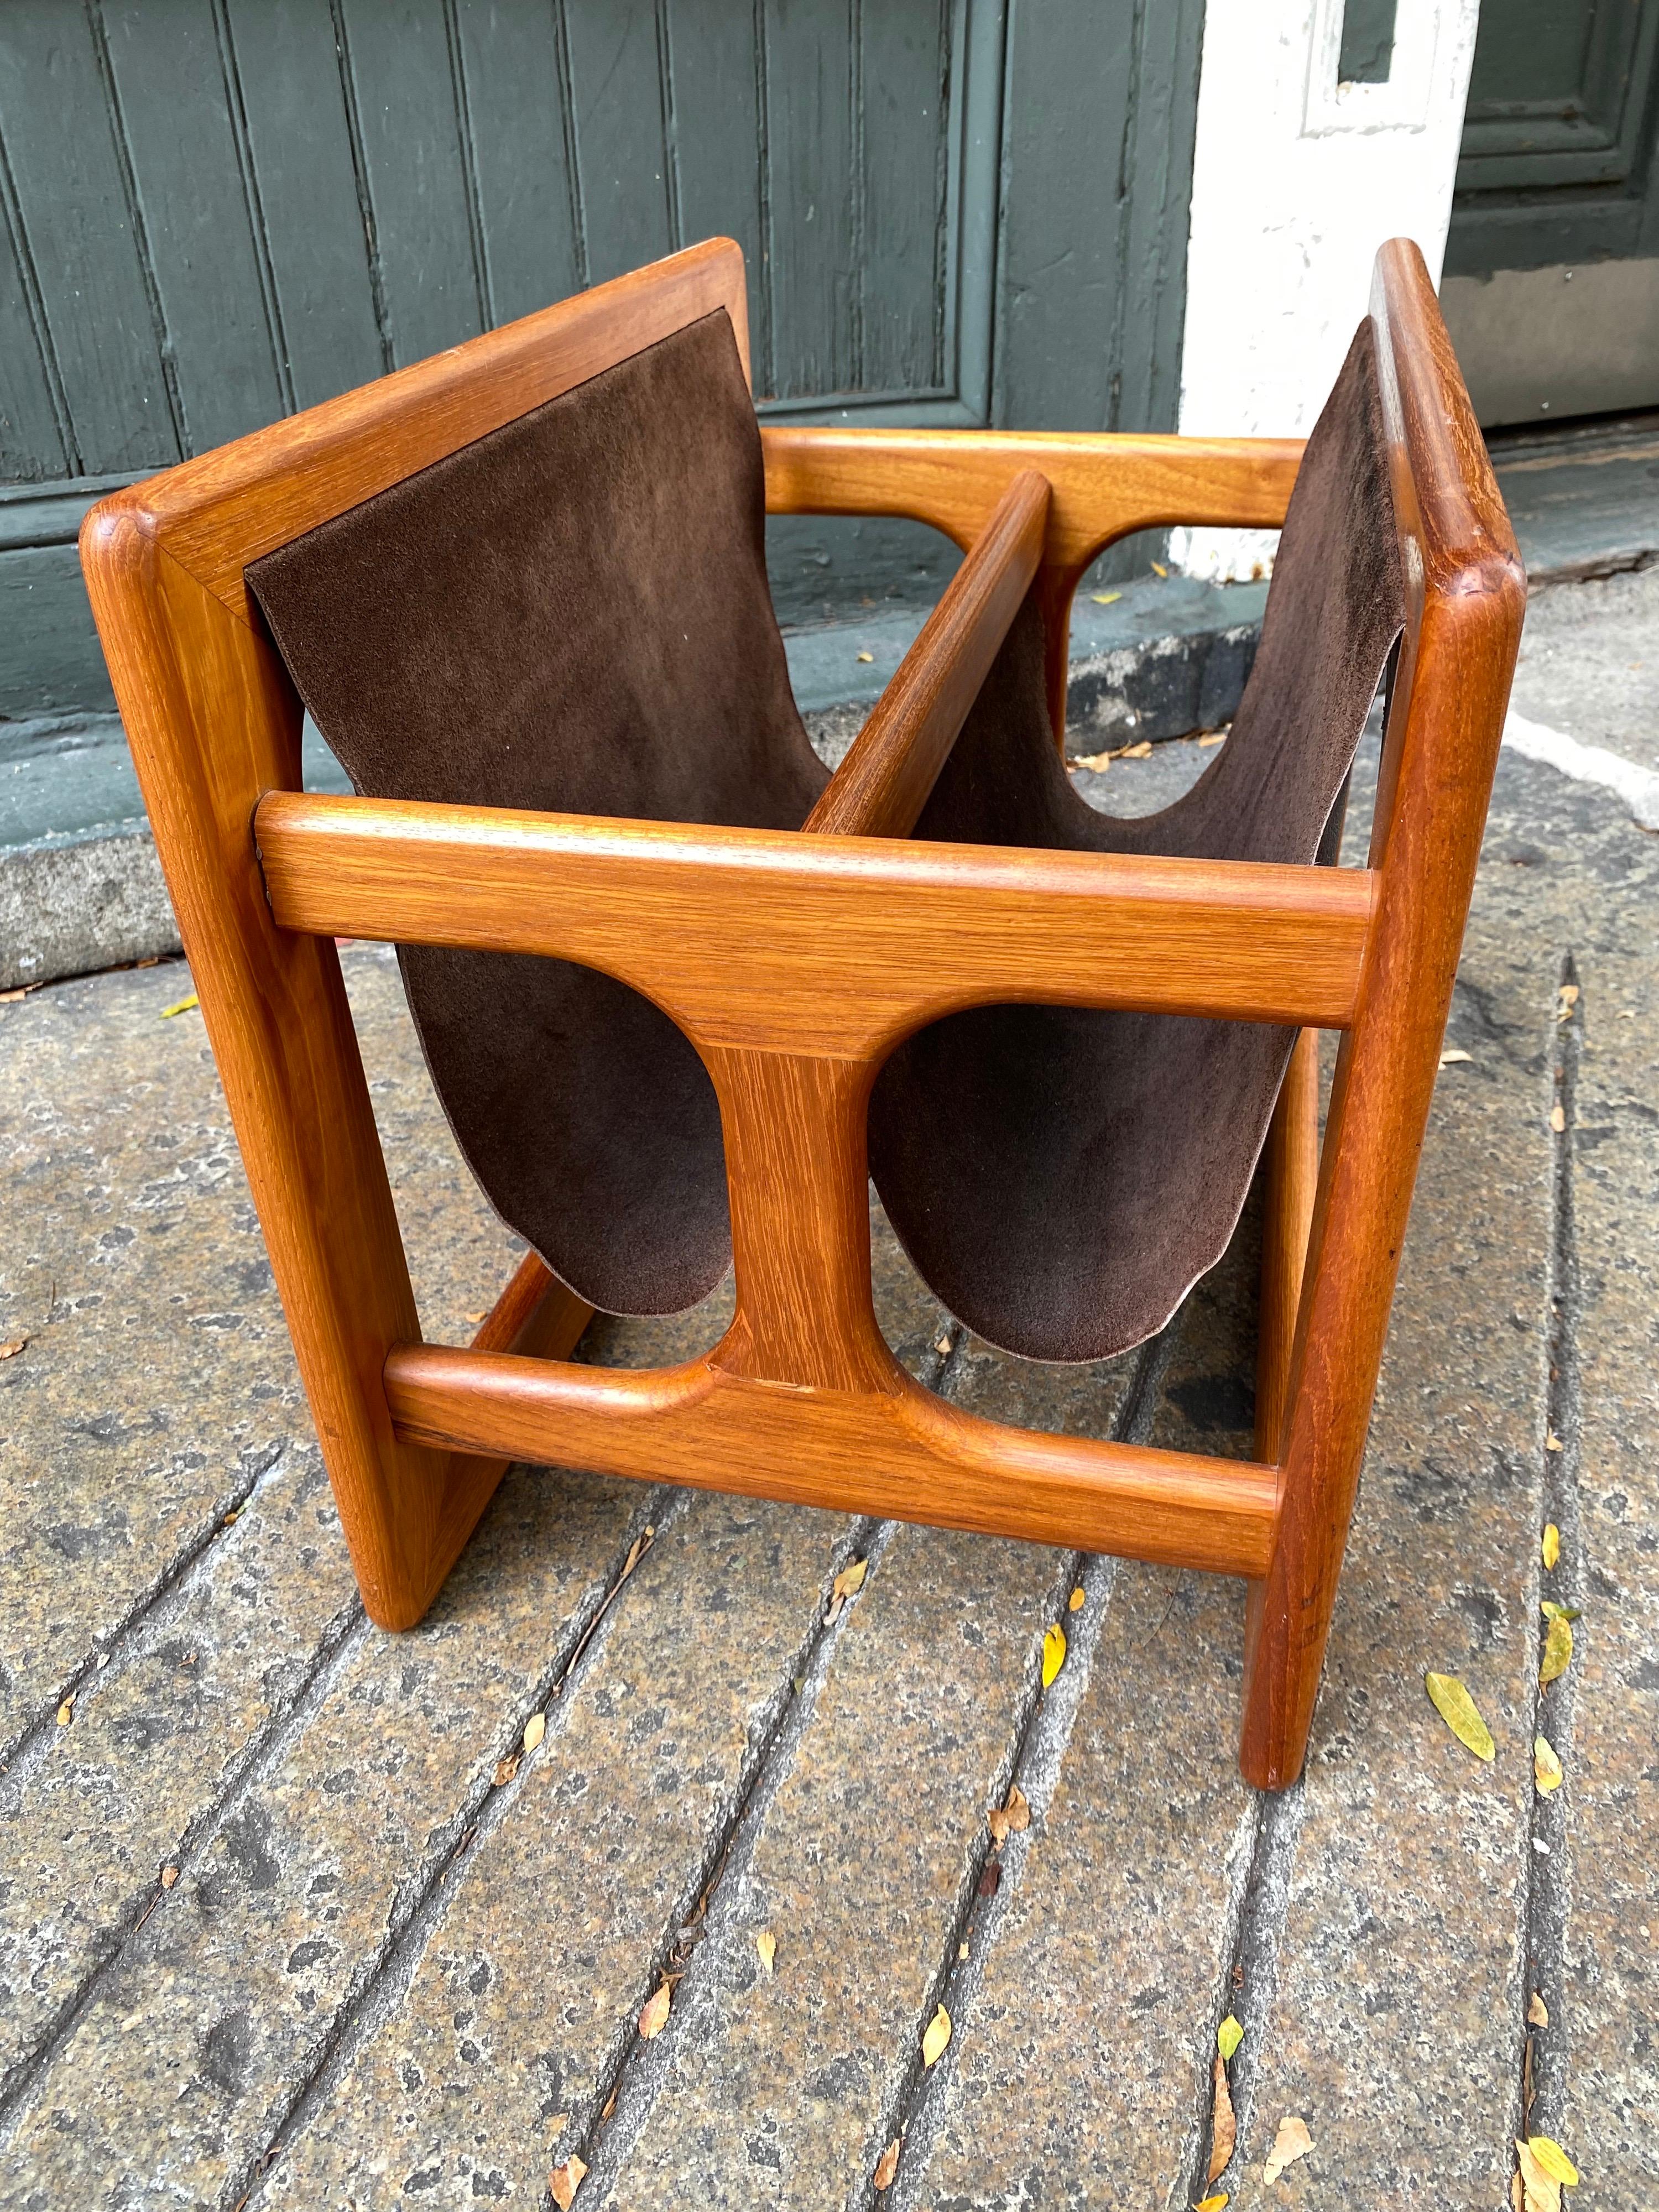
(796, 962)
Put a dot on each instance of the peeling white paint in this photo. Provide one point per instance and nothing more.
(1297, 181)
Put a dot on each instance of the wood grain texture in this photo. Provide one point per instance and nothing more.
(833, 945)
(1466, 596)
(904, 1454)
(212, 722)
(890, 772)
(1102, 489)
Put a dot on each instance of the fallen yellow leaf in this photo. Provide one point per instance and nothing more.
(169, 1876)
(1212, 738)
(1216, 2204)
(179, 1006)
(1537, 2190)
(654, 2017)
(1142, 751)
(565, 2180)
(1158, 568)
(766, 1944)
(1557, 1119)
(1558, 1648)
(1054, 1653)
(534, 1729)
(66, 1710)
(1568, 998)
(1228, 2037)
(1461, 1714)
(867, 656)
(1291, 2143)
(12, 1346)
(1224, 2125)
(1552, 1442)
(1551, 1547)
(1546, 1766)
(1553, 2159)
(886, 2166)
(1105, 598)
(1454, 1057)
(1097, 762)
(935, 2037)
(847, 1584)
(942, 1345)
(1538, 2012)
(1077, 1600)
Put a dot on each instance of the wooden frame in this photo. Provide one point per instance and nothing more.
(864, 937)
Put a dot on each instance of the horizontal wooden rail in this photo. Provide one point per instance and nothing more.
(822, 946)
(886, 778)
(1104, 484)
(903, 1455)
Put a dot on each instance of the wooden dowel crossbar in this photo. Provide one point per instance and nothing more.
(830, 945)
(885, 781)
(903, 1455)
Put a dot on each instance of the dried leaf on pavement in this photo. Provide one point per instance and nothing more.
(66, 1710)
(1218, 2202)
(1538, 2012)
(1228, 2037)
(1291, 2143)
(1054, 1653)
(1453, 1058)
(1558, 1648)
(847, 1583)
(565, 2180)
(1223, 2129)
(1557, 1119)
(1546, 1766)
(1552, 1442)
(1461, 1714)
(534, 1729)
(169, 1876)
(653, 2018)
(1077, 1600)
(1105, 598)
(1553, 2159)
(506, 1769)
(12, 1346)
(1550, 1550)
(990, 1879)
(1015, 1816)
(935, 2037)
(766, 1944)
(886, 2166)
(179, 1006)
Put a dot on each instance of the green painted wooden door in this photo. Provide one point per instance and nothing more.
(1553, 261)
(213, 212)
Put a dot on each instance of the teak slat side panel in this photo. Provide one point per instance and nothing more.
(890, 772)
(830, 945)
(1104, 484)
(212, 722)
(906, 1456)
(217, 513)
(1467, 597)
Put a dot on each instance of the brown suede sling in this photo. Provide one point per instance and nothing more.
(573, 614)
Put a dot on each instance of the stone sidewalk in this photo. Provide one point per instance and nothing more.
(289, 1917)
